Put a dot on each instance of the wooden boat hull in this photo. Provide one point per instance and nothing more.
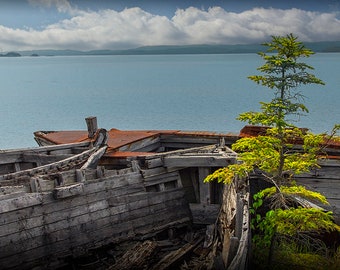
(105, 208)
(73, 211)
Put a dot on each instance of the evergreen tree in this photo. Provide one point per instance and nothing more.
(284, 151)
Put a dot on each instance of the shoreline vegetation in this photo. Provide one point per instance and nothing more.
(325, 47)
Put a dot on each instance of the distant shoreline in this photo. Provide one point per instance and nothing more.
(332, 46)
(11, 54)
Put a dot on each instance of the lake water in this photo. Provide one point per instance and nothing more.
(187, 92)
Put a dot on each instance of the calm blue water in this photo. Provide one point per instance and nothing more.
(188, 92)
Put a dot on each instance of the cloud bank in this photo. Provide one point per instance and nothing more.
(134, 27)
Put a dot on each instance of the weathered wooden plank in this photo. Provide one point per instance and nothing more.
(68, 191)
(205, 148)
(330, 172)
(65, 209)
(16, 155)
(72, 212)
(152, 172)
(12, 189)
(239, 261)
(33, 238)
(53, 166)
(166, 176)
(43, 158)
(204, 213)
(125, 203)
(329, 162)
(92, 126)
(99, 223)
(21, 201)
(330, 188)
(153, 163)
(151, 147)
(54, 221)
(190, 139)
(166, 181)
(94, 192)
(197, 161)
(55, 212)
(146, 198)
(204, 188)
(79, 247)
(93, 160)
(123, 227)
(142, 145)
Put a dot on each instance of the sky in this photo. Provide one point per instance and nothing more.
(122, 24)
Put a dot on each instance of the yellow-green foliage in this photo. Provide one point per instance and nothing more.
(293, 190)
(227, 174)
(260, 152)
(294, 220)
(291, 222)
(263, 152)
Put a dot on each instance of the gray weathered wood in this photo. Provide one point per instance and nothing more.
(205, 196)
(77, 159)
(138, 257)
(68, 191)
(169, 260)
(20, 201)
(93, 160)
(144, 145)
(204, 213)
(92, 126)
(196, 161)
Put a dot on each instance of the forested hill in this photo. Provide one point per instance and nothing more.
(187, 49)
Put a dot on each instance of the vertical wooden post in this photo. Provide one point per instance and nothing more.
(204, 187)
(92, 127)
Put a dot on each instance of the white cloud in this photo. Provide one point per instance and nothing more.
(109, 29)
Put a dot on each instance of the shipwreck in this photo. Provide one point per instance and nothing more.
(83, 190)
(115, 199)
